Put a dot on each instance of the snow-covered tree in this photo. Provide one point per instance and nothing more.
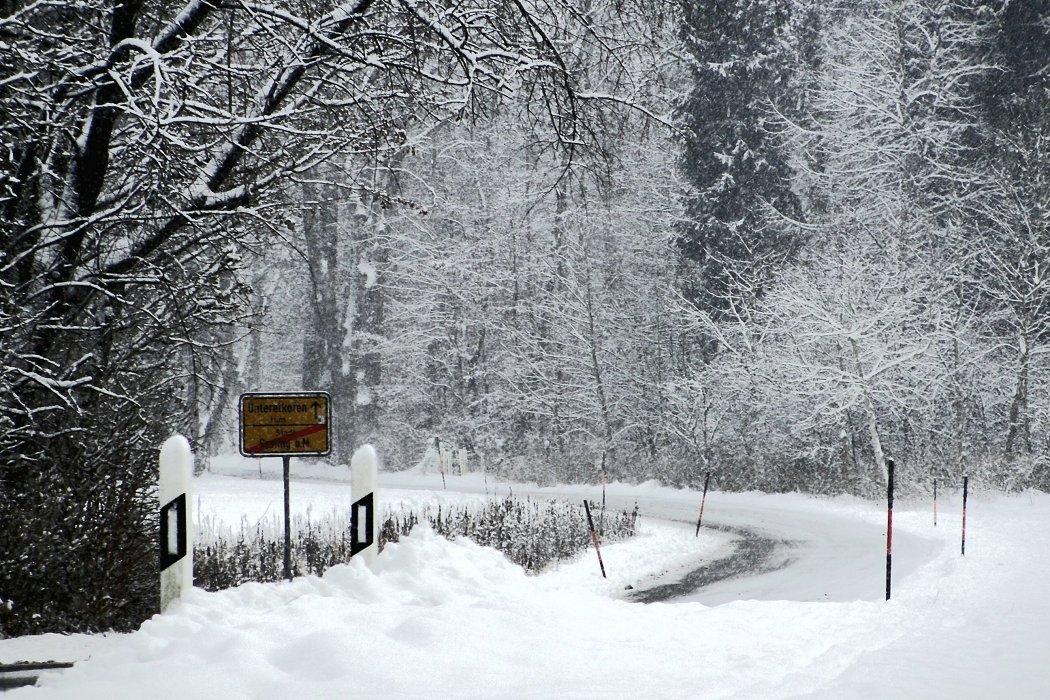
(1009, 263)
(149, 151)
(744, 63)
(892, 123)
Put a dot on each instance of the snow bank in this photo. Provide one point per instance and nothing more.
(441, 619)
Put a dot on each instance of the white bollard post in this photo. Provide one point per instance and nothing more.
(176, 535)
(364, 520)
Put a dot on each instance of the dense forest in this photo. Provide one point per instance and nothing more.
(781, 241)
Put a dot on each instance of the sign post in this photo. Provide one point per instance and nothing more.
(287, 517)
(175, 540)
(286, 425)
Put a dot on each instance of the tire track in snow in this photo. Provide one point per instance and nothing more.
(752, 554)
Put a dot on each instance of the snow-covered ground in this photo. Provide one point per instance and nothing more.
(441, 619)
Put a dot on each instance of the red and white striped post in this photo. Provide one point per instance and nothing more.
(966, 490)
(935, 502)
(707, 480)
(594, 536)
(889, 524)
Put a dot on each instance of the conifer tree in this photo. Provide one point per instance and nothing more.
(742, 71)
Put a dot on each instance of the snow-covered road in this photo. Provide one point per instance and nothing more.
(834, 556)
(822, 552)
(441, 619)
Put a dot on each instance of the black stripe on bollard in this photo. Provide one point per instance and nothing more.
(935, 503)
(889, 524)
(362, 529)
(171, 552)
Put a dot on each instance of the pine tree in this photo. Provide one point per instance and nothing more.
(742, 71)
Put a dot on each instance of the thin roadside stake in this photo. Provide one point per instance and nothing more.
(935, 503)
(707, 480)
(966, 490)
(889, 524)
(594, 536)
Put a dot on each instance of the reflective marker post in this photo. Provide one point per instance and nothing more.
(889, 524)
(935, 502)
(594, 536)
(364, 526)
(966, 490)
(175, 540)
(707, 480)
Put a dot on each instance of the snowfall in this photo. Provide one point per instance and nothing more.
(434, 618)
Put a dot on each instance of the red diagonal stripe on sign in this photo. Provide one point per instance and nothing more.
(287, 438)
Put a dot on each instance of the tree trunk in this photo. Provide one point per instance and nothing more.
(870, 416)
(1018, 426)
(324, 365)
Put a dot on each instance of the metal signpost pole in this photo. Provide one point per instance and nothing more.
(287, 520)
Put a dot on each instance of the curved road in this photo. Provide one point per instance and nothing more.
(792, 549)
(787, 548)
(752, 554)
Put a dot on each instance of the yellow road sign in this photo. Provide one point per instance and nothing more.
(285, 424)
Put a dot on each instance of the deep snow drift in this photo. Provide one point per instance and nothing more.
(441, 619)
